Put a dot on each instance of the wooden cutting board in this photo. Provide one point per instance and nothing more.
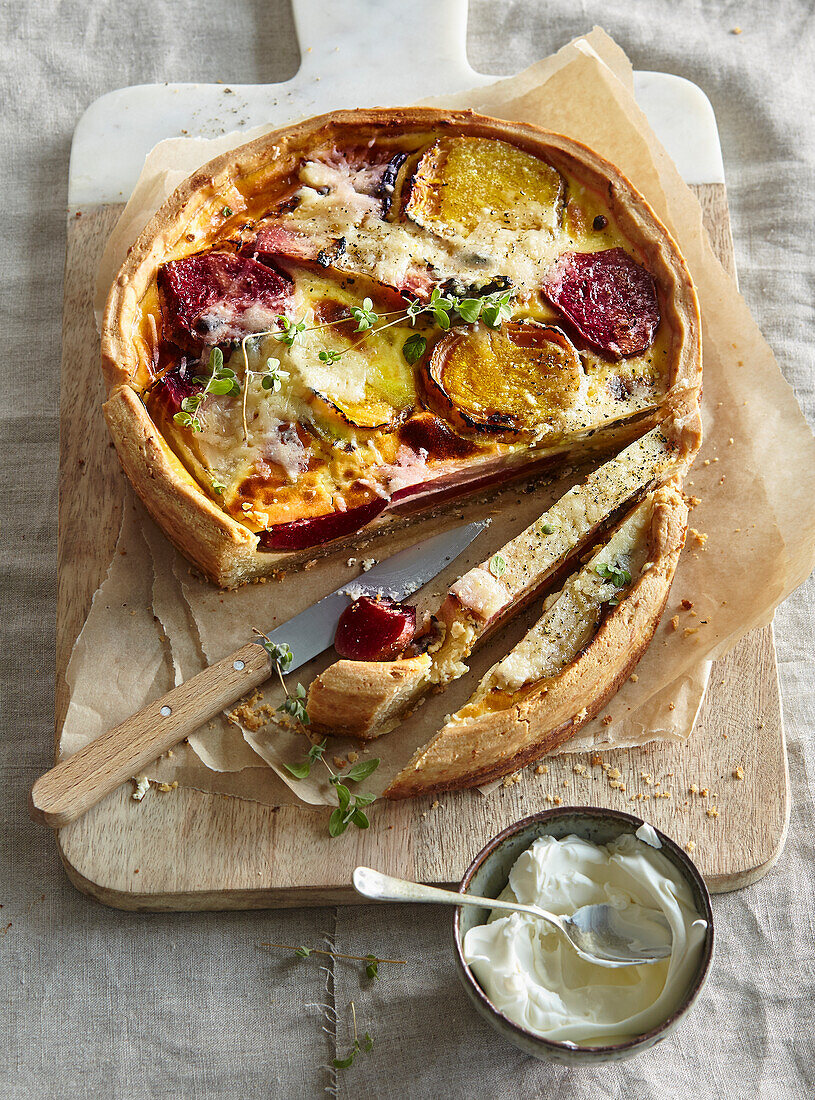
(190, 850)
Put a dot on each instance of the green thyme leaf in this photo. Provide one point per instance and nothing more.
(498, 565)
(372, 970)
(469, 309)
(414, 348)
(344, 1063)
(364, 315)
(343, 794)
(368, 1043)
(336, 824)
(618, 577)
(226, 211)
(299, 771)
(329, 356)
(303, 952)
(361, 770)
(216, 485)
(316, 751)
(548, 528)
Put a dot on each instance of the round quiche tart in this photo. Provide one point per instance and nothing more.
(346, 322)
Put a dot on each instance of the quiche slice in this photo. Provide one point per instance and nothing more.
(332, 329)
(588, 640)
(366, 699)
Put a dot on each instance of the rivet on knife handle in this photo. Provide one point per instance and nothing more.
(84, 779)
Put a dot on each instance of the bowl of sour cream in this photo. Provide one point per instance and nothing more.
(523, 976)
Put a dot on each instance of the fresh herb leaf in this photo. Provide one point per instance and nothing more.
(273, 377)
(372, 970)
(618, 577)
(364, 315)
(469, 309)
(367, 1043)
(303, 952)
(343, 794)
(299, 771)
(226, 211)
(414, 348)
(291, 331)
(329, 356)
(316, 751)
(496, 308)
(548, 528)
(360, 819)
(361, 771)
(337, 823)
(364, 799)
(216, 485)
(498, 565)
(440, 306)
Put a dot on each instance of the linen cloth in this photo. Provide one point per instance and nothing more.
(104, 1004)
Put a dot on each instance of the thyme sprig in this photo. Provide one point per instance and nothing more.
(357, 1047)
(371, 961)
(221, 380)
(350, 808)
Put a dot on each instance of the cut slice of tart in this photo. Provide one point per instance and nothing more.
(369, 698)
(591, 635)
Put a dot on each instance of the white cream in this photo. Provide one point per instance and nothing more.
(531, 974)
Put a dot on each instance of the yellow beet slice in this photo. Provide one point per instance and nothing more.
(508, 380)
(460, 183)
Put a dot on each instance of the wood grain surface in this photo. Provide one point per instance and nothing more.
(191, 850)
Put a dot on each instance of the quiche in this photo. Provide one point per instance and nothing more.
(333, 329)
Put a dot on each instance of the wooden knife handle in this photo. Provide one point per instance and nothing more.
(78, 783)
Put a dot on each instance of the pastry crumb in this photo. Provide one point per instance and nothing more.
(368, 563)
(689, 847)
(511, 780)
(541, 769)
(738, 773)
(675, 623)
(687, 605)
(340, 761)
(634, 678)
(699, 537)
(736, 30)
(142, 787)
(607, 720)
(712, 811)
(353, 757)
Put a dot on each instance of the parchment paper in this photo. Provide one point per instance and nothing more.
(754, 480)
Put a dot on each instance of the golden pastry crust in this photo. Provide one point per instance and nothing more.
(366, 699)
(223, 548)
(543, 716)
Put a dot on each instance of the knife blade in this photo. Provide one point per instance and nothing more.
(312, 631)
(78, 783)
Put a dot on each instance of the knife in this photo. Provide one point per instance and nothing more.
(71, 788)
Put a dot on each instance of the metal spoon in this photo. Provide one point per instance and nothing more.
(599, 934)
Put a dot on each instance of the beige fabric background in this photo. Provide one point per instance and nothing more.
(103, 1004)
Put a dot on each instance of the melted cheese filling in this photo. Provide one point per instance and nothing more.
(346, 408)
(571, 615)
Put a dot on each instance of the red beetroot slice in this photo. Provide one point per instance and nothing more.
(609, 298)
(316, 530)
(219, 296)
(375, 630)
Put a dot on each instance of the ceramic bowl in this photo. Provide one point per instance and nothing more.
(488, 874)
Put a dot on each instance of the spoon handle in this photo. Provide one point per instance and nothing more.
(379, 887)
